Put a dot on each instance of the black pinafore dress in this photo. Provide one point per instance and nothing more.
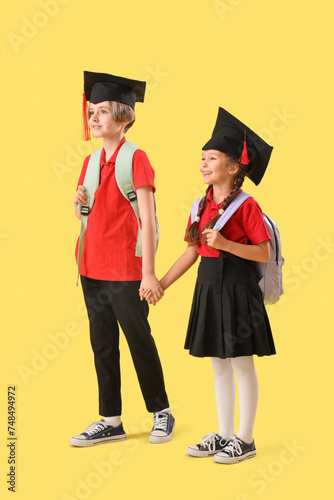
(228, 318)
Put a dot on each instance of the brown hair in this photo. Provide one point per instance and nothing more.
(194, 234)
(121, 113)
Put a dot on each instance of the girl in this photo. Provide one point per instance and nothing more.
(228, 320)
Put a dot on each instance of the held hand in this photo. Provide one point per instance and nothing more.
(149, 297)
(214, 239)
(151, 289)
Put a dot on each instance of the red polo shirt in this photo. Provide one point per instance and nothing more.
(112, 227)
(245, 226)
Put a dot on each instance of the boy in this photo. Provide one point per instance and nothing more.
(110, 272)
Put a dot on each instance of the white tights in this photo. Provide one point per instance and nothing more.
(224, 370)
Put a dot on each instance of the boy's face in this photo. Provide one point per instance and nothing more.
(101, 121)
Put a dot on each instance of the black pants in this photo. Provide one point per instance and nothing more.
(109, 303)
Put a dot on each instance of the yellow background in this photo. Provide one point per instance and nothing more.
(267, 62)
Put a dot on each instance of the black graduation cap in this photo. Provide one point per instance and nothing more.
(232, 137)
(99, 87)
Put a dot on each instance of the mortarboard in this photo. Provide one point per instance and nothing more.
(99, 87)
(232, 137)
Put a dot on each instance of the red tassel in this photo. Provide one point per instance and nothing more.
(244, 160)
(85, 126)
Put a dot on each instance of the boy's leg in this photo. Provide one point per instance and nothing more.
(132, 315)
(104, 336)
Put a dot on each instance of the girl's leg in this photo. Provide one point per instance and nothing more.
(248, 395)
(225, 400)
(225, 395)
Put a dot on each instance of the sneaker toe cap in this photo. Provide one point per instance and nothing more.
(194, 447)
(80, 436)
(158, 433)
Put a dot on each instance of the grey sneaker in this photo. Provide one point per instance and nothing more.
(98, 432)
(163, 425)
(211, 444)
(235, 451)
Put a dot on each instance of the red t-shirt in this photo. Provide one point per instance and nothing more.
(112, 227)
(245, 226)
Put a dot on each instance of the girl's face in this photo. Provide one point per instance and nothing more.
(215, 167)
(101, 121)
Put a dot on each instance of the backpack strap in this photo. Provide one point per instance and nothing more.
(124, 179)
(226, 215)
(124, 175)
(230, 210)
(91, 183)
(194, 209)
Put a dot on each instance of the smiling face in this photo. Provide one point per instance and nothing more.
(102, 122)
(217, 168)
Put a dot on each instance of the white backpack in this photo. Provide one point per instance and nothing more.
(269, 273)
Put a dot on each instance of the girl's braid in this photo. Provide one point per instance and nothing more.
(194, 234)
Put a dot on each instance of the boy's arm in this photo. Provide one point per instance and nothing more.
(183, 263)
(147, 217)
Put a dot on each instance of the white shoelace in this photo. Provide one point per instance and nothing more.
(160, 421)
(209, 441)
(98, 426)
(233, 447)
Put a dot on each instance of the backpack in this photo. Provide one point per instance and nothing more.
(269, 274)
(124, 179)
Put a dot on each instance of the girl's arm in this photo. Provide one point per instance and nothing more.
(183, 263)
(147, 217)
(258, 253)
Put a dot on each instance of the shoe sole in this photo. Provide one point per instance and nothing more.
(161, 439)
(233, 460)
(90, 442)
(200, 454)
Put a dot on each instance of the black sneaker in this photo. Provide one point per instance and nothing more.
(211, 443)
(235, 451)
(98, 432)
(163, 425)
